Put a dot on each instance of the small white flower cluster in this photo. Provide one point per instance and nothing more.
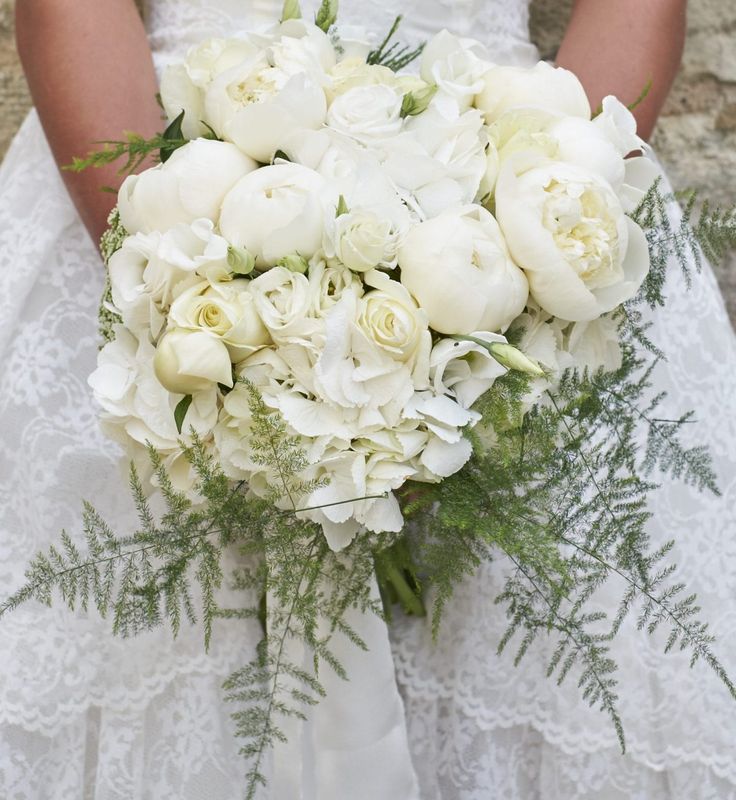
(336, 248)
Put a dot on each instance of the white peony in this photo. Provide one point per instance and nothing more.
(567, 230)
(187, 187)
(361, 240)
(275, 212)
(256, 104)
(183, 85)
(541, 86)
(459, 270)
(599, 145)
(190, 361)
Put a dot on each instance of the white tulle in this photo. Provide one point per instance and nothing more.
(84, 715)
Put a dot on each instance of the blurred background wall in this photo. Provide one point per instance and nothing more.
(696, 137)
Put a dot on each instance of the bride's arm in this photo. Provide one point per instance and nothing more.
(91, 76)
(616, 47)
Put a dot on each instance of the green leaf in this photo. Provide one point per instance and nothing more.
(291, 10)
(180, 411)
(342, 207)
(174, 135)
(326, 15)
(280, 154)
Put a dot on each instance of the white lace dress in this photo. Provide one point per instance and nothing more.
(86, 717)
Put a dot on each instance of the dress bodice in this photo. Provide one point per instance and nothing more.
(502, 25)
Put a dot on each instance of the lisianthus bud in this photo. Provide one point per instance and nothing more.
(240, 260)
(417, 101)
(294, 263)
(509, 356)
(291, 10)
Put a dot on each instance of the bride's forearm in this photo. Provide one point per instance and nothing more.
(91, 76)
(617, 47)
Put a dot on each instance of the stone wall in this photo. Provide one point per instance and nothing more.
(696, 136)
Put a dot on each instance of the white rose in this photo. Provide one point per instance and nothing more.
(464, 369)
(256, 105)
(190, 361)
(189, 186)
(541, 86)
(390, 319)
(454, 65)
(458, 268)
(440, 158)
(227, 311)
(361, 240)
(283, 301)
(567, 230)
(367, 113)
(275, 212)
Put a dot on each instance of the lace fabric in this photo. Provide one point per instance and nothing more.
(95, 717)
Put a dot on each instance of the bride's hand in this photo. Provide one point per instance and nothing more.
(91, 76)
(617, 47)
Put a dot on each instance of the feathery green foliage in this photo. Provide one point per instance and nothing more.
(681, 235)
(395, 56)
(558, 490)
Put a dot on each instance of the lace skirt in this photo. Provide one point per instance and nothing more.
(84, 715)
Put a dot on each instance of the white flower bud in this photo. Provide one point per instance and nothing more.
(191, 361)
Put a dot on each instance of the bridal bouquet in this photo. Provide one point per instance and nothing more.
(375, 327)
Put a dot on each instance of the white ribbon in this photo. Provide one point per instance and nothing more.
(354, 745)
